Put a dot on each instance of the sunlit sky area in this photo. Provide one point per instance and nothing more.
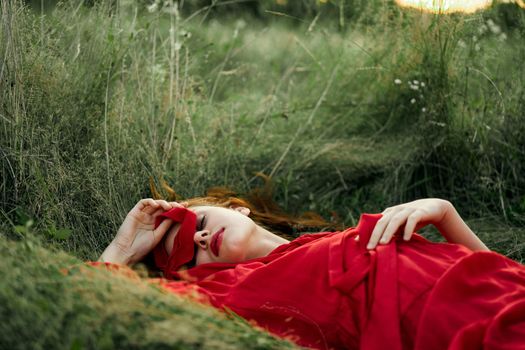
(447, 6)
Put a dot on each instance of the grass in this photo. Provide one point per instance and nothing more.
(54, 301)
(391, 106)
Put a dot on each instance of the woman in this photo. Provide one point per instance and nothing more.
(365, 287)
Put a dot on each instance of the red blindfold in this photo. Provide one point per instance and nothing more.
(183, 244)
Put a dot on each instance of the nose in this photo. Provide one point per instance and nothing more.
(202, 238)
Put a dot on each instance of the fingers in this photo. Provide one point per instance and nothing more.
(178, 205)
(410, 227)
(377, 233)
(146, 202)
(409, 217)
(393, 226)
(151, 206)
(391, 222)
(163, 204)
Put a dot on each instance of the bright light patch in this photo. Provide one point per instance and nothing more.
(449, 6)
(446, 6)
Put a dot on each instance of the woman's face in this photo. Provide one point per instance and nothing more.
(222, 235)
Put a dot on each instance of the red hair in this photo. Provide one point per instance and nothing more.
(263, 209)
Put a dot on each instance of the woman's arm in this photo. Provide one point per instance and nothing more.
(455, 230)
(412, 216)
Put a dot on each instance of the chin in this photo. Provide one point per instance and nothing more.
(236, 253)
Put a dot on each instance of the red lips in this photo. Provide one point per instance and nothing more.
(216, 241)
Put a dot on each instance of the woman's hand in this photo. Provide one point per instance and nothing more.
(136, 236)
(408, 217)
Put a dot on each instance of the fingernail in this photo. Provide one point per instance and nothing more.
(370, 246)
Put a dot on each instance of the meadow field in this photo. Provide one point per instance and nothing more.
(348, 106)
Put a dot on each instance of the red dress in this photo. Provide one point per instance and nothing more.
(326, 291)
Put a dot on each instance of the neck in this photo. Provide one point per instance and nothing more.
(265, 243)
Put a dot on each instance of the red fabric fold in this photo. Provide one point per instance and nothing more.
(183, 244)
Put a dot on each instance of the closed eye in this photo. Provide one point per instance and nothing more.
(201, 223)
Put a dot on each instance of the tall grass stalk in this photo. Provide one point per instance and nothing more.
(88, 116)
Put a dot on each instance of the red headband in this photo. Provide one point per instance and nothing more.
(183, 244)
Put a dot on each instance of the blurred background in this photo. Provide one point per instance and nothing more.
(350, 107)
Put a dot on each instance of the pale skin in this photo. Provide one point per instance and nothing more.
(245, 240)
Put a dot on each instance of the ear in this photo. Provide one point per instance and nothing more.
(243, 210)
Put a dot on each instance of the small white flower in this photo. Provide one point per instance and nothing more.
(178, 45)
(462, 44)
(423, 84)
(503, 37)
(412, 101)
(482, 29)
(477, 47)
(414, 87)
(415, 82)
(423, 109)
(171, 9)
(240, 23)
(495, 29)
(490, 22)
(397, 81)
(153, 7)
(474, 38)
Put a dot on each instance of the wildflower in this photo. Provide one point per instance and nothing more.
(482, 29)
(495, 30)
(172, 9)
(477, 47)
(462, 44)
(240, 23)
(423, 84)
(414, 87)
(423, 109)
(153, 7)
(502, 37)
(412, 101)
(397, 81)
(415, 82)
